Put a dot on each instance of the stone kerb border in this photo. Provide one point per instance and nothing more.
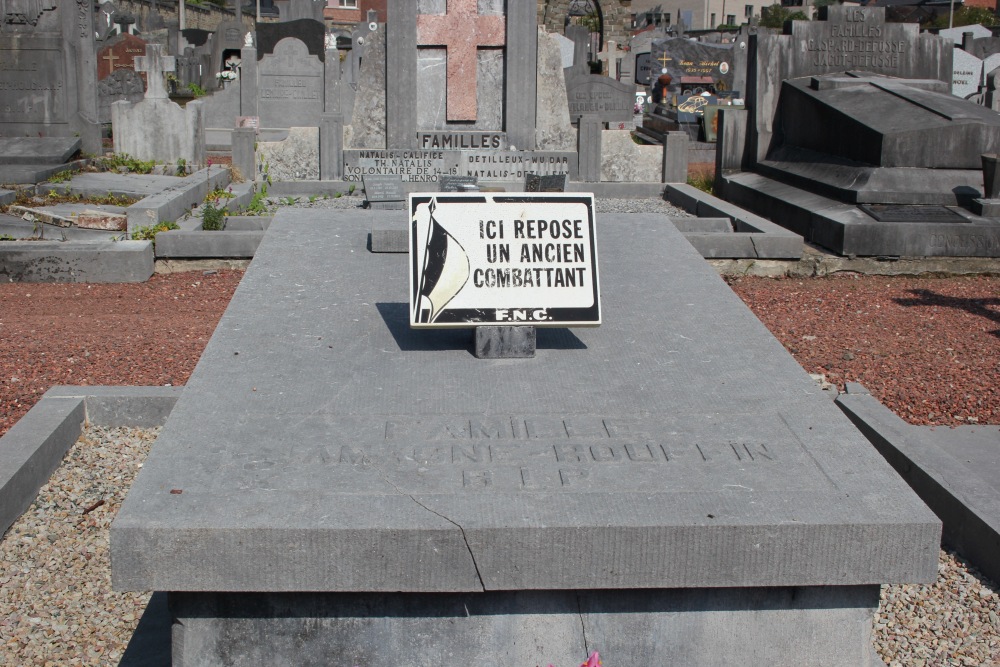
(754, 237)
(175, 201)
(33, 448)
(936, 465)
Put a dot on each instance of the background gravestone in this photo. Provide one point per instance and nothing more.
(967, 74)
(826, 46)
(290, 89)
(48, 71)
(477, 36)
(693, 65)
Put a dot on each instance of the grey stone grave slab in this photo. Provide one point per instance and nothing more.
(102, 183)
(38, 150)
(384, 192)
(377, 493)
(904, 213)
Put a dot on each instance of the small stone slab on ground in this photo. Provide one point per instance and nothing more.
(954, 470)
(86, 216)
(37, 150)
(101, 183)
(25, 230)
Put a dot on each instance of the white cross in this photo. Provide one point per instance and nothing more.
(610, 56)
(155, 65)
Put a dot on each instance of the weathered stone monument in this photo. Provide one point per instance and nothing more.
(905, 182)
(373, 494)
(48, 71)
(473, 88)
(157, 128)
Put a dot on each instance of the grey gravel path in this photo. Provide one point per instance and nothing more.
(57, 607)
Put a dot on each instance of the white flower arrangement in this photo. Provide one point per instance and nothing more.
(228, 75)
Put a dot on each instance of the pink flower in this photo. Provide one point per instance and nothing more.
(594, 661)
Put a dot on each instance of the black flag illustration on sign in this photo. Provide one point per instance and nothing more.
(446, 270)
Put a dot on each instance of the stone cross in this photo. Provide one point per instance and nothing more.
(155, 65)
(581, 38)
(462, 30)
(610, 56)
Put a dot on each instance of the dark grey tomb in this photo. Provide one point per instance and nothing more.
(668, 488)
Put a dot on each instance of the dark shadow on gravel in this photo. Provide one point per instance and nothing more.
(978, 307)
(150, 645)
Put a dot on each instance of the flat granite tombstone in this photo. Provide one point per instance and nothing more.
(668, 488)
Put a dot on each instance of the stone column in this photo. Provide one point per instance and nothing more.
(81, 60)
(732, 140)
(244, 155)
(248, 82)
(521, 83)
(401, 74)
(331, 147)
(991, 176)
(589, 148)
(675, 157)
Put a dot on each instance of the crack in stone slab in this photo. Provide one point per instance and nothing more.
(475, 565)
(583, 627)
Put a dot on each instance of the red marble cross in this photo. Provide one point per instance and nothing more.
(461, 31)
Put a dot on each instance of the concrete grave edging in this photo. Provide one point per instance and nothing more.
(59, 262)
(34, 447)
(968, 508)
(754, 236)
(173, 202)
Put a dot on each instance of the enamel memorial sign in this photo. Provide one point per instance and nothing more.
(478, 259)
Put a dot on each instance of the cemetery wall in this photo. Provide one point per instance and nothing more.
(200, 17)
(617, 17)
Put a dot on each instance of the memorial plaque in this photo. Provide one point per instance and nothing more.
(384, 192)
(458, 183)
(545, 183)
(32, 84)
(684, 59)
(967, 74)
(911, 213)
(503, 259)
(644, 69)
(513, 166)
(412, 166)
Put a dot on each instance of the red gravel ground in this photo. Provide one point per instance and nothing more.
(137, 334)
(929, 349)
